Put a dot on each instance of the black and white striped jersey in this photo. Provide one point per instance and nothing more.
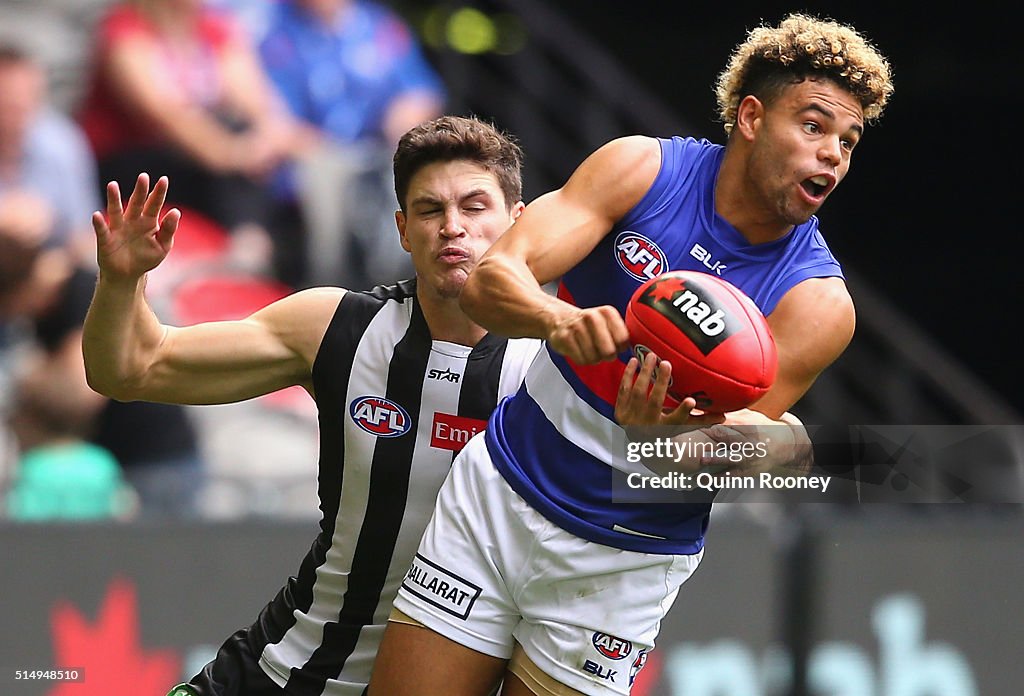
(394, 407)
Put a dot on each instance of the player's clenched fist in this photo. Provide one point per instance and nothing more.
(590, 335)
(134, 239)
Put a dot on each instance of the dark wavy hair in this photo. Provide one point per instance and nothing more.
(451, 138)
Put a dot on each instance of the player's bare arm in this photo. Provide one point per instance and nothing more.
(812, 325)
(556, 232)
(130, 355)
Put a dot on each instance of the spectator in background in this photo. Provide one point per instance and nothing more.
(177, 87)
(353, 70)
(49, 409)
(48, 181)
(58, 422)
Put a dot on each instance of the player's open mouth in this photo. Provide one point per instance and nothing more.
(818, 186)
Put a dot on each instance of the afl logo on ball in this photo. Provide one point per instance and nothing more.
(638, 256)
(379, 416)
(611, 647)
(640, 352)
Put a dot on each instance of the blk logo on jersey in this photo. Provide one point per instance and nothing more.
(441, 588)
(704, 256)
(379, 416)
(611, 647)
(638, 256)
(599, 670)
(693, 309)
(453, 432)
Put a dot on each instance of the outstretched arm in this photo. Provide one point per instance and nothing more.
(130, 355)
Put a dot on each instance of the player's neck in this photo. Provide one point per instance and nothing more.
(446, 320)
(752, 218)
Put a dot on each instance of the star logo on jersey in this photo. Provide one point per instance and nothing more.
(639, 256)
(379, 416)
(444, 375)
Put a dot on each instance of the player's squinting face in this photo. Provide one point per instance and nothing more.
(454, 212)
(804, 146)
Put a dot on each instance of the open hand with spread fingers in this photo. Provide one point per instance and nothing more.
(641, 398)
(134, 239)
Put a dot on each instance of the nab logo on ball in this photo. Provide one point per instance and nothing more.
(638, 256)
(611, 647)
(379, 416)
(711, 331)
(693, 309)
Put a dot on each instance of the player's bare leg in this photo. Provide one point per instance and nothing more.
(414, 660)
(511, 686)
(524, 678)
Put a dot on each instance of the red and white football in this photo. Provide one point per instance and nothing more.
(718, 342)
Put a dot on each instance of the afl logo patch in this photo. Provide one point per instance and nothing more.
(638, 256)
(638, 664)
(379, 416)
(611, 647)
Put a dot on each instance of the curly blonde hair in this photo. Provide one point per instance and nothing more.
(772, 58)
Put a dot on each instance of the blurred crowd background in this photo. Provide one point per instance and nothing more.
(275, 121)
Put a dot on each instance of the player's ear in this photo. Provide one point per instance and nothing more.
(517, 210)
(400, 222)
(748, 116)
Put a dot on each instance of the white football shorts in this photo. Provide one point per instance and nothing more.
(491, 571)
